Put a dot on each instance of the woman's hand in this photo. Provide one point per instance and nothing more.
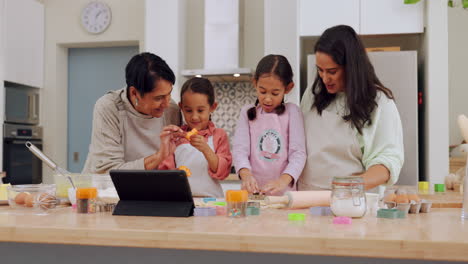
(248, 181)
(169, 136)
(277, 186)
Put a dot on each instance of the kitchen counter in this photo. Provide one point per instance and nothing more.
(439, 235)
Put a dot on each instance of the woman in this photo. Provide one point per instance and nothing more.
(351, 121)
(132, 127)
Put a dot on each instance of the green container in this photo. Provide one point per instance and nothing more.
(390, 213)
(252, 210)
(296, 217)
(438, 187)
(387, 213)
(410, 2)
(220, 203)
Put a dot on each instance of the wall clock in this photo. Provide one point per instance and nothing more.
(96, 17)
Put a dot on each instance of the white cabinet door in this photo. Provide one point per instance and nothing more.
(24, 42)
(391, 17)
(317, 15)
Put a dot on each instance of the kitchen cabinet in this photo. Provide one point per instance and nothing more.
(24, 42)
(318, 15)
(391, 17)
(367, 17)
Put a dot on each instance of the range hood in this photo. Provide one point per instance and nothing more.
(221, 61)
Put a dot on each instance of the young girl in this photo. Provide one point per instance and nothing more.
(206, 154)
(269, 143)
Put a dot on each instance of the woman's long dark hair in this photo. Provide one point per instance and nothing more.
(361, 86)
(276, 65)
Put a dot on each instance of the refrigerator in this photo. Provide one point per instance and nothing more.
(398, 71)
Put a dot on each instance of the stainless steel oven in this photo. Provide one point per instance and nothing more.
(20, 165)
(21, 104)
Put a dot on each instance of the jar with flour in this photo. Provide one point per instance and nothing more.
(348, 197)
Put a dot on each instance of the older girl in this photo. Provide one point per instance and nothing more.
(269, 143)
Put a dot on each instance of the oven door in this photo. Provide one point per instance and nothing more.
(20, 164)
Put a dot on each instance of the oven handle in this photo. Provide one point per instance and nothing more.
(16, 141)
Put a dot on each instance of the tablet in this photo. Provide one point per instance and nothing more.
(152, 193)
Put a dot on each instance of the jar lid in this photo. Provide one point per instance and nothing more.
(237, 196)
(348, 181)
(86, 193)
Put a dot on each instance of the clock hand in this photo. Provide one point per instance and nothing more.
(97, 15)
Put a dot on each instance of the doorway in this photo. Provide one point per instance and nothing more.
(91, 73)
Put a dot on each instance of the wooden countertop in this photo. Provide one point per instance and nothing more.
(439, 235)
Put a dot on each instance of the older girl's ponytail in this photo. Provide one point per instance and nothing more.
(252, 112)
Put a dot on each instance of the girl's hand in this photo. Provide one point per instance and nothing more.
(199, 143)
(248, 181)
(277, 186)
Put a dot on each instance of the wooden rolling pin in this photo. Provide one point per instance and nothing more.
(301, 199)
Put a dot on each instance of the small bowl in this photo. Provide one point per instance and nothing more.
(40, 197)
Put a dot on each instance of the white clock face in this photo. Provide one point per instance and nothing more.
(96, 17)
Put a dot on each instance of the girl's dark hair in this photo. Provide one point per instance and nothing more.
(201, 86)
(144, 70)
(346, 49)
(276, 65)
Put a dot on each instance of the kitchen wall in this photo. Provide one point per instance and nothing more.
(63, 31)
(231, 96)
(435, 46)
(458, 63)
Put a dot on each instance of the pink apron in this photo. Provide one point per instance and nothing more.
(269, 145)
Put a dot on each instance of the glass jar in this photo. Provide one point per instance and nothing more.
(86, 200)
(348, 197)
(236, 203)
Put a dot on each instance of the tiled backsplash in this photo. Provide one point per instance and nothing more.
(231, 97)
